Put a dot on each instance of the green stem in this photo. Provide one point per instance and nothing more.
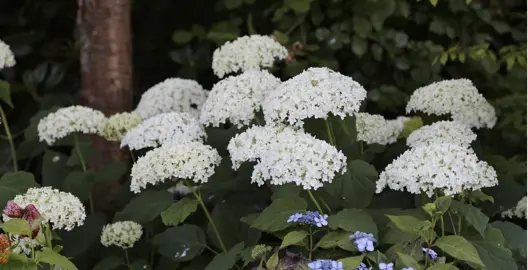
(315, 202)
(361, 149)
(83, 164)
(441, 217)
(330, 132)
(9, 138)
(48, 237)
(127, 260)
(132, 156)
(311, 244)
(200, 201)
(452, 224)
(326, 205)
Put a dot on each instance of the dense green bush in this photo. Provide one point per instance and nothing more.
(389, 47)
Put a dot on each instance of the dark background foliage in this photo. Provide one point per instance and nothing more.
(390, 47)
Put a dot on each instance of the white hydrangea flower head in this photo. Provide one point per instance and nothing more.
(192, 160)
(123, 234)
(458, 98)
(237, 98)
(286, 155)
(246, 53)
(315, 92)
(518, 211)
(68, 120)
(162, 129)
(23, 244)
(7, 58)
(172, 95)
(442, 132)
(62, 209)
(119, 124)
(374, 128)
(449, 168)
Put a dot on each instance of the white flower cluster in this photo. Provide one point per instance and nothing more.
(71, 119)
(442, 132)
(122, 234)
(192, 160)
(313, 93)
(119, 124)
(245, 53)
(459, 98)
(23, 244)
(172, 95)
(236, 98)
(374, 128)
(449, 168)
(518, 211)
(163, 129)
(63, 210)
(285, 155)
(7, 59)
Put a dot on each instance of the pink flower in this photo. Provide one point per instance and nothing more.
(29, 213)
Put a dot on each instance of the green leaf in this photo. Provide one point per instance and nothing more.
(352, 262)
(54, 169)
(5, 93)
(226, 261)
(442, 266)
(459, 248)
(472, 215)
(352, 220)
(274, 217)
(492, 250)
(408, 224)
(514, 235)
(79, 183)
(443, 203)
(357, 186)
(18, 262)
(359, 46)
(293, 238)
(232, 4)
(112, 171)
(273, 261)
(333, 239)
(16, 226)
(179, 211)
(181, 36)
(109, 263)
(286, 190)
(140, 264)
(14, 183)
(405, 260)
(47, 255)
(80, 239)
(145, 207)
(181, 243)
(434, 2)
(281, 37)
(362, 26)
(299, 6)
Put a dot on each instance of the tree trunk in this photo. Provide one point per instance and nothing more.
(106, 74)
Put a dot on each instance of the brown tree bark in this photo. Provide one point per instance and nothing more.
(106, 74)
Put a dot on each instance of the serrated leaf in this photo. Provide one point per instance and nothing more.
(492, 250)
(181, 243)
(48, 255)
(472, 215)
(352, 220)
(293, 238)
(16, 226)
(79, 183)
(274, 217)
(352, 262)
(443, 203)
(80, 239)
(443, 266)
(459, 248)
(356, 186)
(5, 93)
(226, 261)
(405, 260)
(407, 224)
(514, 235)
(179, 211)
(145, 207)
(14, 183)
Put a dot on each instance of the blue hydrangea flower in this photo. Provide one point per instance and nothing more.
(310, 217)
(432, 254)
(407, 268)
(325, 265)
(363, 241)
(386, 266)
(363, 266)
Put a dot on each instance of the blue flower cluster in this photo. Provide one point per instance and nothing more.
(432, 254)
(363, 266)
(382, 266)
(313, 218)
(325, 265)
(363, 241)
(407, 268)
(386, 266)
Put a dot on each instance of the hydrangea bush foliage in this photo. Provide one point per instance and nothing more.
(261, 174)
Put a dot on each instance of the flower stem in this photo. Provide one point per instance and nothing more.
(132, 156)
(200, 201)
(315, 202)
(330, 132)
(83, 164)
(10, 139)
(441, 217)
(311, 244)
(127, 260)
